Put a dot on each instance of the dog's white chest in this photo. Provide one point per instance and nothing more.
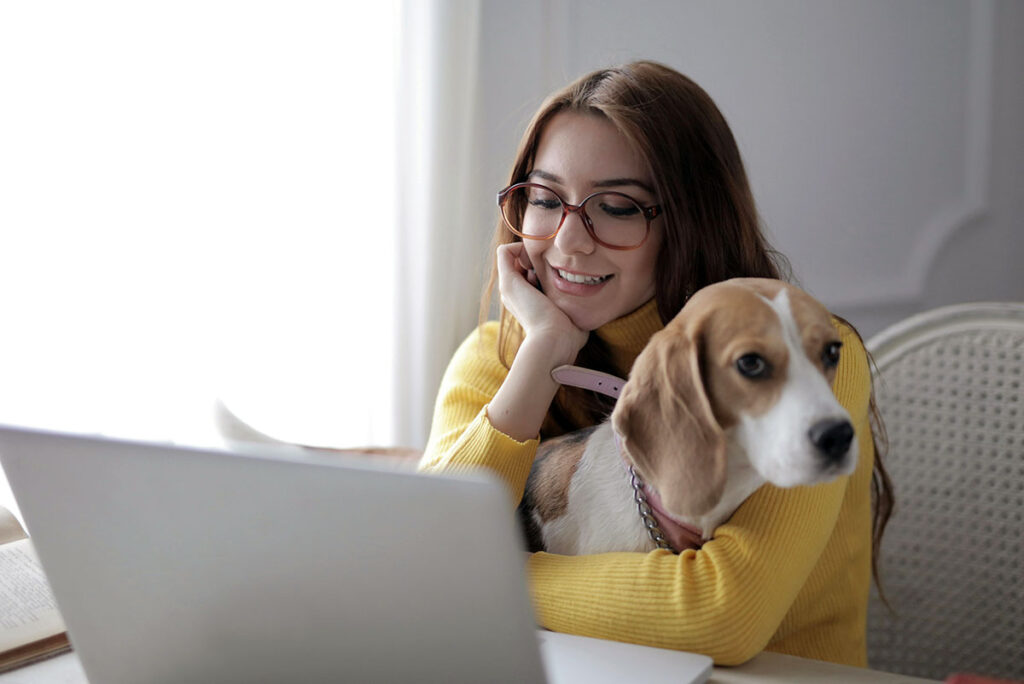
(601, 515)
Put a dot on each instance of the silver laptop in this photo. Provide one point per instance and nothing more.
(173, 564)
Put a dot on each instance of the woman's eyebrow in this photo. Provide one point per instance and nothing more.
(543, 175)
(609, 183)
(616, 182)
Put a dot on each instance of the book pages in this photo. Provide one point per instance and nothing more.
(28, 611)
(10, 528)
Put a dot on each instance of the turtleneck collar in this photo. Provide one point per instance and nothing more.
(627, 336)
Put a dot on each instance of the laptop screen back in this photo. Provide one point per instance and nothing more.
(173, 564)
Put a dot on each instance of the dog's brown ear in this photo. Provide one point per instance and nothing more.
(667, 428)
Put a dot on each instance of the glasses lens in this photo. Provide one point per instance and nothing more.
(533, 211)
(617, 219)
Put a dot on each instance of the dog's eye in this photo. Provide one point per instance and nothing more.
(752, 366)
(830, 357)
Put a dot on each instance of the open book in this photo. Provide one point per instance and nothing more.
(31, 628)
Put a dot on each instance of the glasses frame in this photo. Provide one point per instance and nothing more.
(649, 213)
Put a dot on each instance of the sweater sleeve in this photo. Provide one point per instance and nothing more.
(728, 598)
(461, 435)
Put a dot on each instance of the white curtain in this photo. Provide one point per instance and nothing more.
(445, 216)
(200, 200)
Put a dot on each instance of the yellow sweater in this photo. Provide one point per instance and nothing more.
(789, 572)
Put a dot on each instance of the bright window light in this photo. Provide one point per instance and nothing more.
(197, 201)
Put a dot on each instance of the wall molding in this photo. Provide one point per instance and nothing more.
(910, 286)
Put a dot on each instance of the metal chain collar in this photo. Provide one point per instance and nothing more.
(646, 514)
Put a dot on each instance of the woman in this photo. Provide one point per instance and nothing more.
(668, 210)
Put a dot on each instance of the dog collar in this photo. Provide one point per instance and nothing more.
(665, 532)
(679, 535)
(575, 376)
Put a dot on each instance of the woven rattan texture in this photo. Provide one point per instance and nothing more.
(952, 559)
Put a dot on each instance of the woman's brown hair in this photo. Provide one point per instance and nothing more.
(711, 230)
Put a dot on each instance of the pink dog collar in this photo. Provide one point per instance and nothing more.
(575, 376)
(677, 536)
(665, 531)
(680, 535)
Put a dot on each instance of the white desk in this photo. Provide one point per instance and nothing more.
(767, 668)
(776, 668)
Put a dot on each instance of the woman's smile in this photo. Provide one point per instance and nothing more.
(578, 283)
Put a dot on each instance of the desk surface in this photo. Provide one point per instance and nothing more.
(767, 668)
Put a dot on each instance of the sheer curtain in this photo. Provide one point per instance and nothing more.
(446, 215)
(270, 203)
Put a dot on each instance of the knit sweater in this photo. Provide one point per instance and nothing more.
(788, 572)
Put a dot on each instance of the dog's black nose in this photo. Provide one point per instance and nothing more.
(832, 438)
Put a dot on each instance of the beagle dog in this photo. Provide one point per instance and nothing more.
(734, 392)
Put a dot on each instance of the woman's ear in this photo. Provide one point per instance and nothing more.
(666, 426)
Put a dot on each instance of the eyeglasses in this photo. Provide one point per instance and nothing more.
(537, 212)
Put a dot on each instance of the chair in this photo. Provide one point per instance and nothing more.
(950, 388)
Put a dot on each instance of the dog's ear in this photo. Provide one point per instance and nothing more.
(667, 428)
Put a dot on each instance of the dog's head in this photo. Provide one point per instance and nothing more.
(748, 359)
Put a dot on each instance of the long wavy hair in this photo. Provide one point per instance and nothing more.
(711, 228)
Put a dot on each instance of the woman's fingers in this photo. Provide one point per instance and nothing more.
(518, 283)
(513, 268)
(520, 290)
(524, 260)
(539, 316)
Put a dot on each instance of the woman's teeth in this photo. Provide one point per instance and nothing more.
(582, 279)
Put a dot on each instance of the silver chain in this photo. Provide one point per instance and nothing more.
(646, 514)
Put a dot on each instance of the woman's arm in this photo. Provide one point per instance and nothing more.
(490, 416)
(550, 340)
(462, 437)
(728, 598)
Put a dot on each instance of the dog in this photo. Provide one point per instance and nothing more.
(734, 392)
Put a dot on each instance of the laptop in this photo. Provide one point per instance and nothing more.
(175, 564)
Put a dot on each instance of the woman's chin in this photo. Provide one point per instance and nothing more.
(588, 321)
(585, 313)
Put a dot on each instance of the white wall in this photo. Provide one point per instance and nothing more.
(883, 139)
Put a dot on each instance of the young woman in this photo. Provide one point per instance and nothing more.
(637, 197)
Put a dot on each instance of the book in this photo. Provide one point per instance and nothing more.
(31, 628)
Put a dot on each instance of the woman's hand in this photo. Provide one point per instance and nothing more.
(538, 315)
(551, 340)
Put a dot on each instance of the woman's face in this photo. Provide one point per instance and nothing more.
(577, 155)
